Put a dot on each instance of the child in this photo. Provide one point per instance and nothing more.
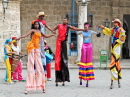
(48, 66)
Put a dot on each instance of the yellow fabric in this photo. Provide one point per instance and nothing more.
(10, 49)
(34, 43)
(107, 31)
(8, 66)
(121, 39)
(87, 71)
(47, 51)
(114, 52)
(86, 77)
(85, 64)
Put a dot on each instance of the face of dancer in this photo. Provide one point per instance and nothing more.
(65, 21)
(41, 17)
(36, 25)
(86, 28)
(15, 44)
(10, 42)
(116, 24)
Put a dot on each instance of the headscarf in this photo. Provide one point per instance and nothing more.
(7, 40)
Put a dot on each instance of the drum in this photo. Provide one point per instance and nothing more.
(49, 57)
(15, 61)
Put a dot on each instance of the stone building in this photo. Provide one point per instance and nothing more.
(20, 13)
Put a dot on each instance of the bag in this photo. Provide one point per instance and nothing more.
(49, 57)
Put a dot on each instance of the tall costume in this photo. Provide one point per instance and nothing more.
(8, 60)
(61, 60)
(42, 24)
(117, 34)
(86, 71)
(34, 55)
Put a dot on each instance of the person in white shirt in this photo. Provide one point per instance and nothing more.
(18, 70)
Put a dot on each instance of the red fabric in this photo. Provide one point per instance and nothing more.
(14, 38)
(117, 33)
(48, 69)
(43, 22)
(62, 35)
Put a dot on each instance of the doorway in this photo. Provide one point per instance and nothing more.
(126, 45)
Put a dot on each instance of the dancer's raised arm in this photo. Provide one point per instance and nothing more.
(26, 34)
(48, 35)
(76, 29)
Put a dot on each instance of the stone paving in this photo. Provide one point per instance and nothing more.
(97, 88)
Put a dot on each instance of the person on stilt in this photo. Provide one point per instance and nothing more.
(86, 70)
(34, 55)
(118, 38)
(61, 60)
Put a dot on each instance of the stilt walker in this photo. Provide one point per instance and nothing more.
(61, 60)
(86, 70)
(118, 38)
(34, 54)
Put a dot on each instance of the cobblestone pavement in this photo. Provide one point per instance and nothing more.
(97, 88)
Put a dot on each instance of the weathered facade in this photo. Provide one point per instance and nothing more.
(20, 13)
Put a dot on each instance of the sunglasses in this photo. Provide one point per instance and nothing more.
(85, 27)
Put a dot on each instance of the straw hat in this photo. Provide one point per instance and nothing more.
(117, 20)
(41, 13)
(45, 41)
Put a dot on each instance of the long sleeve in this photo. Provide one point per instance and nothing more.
(79, 32)
(107, 31)
(122, 36)
(94, 32)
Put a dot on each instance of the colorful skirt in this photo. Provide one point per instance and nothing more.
(115, 63)
(86, 71)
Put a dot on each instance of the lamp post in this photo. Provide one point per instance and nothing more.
(82, 18)
(106, 23)
(5, 5)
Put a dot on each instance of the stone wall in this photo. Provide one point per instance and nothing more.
(10, 26)
(55, 10)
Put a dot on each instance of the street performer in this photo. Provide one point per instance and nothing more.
(118, 38)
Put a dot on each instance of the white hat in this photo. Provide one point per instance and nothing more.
(117, 20)
(41, 13)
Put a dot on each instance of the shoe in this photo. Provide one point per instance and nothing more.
(111, 87)
(56, 84)
(44, 91)
(63, 84)
(22, 80)
(15, 81)
(48, 79)
(26, 92)
(86, 85)
(10, 83)
(80, 83)
(119, 86)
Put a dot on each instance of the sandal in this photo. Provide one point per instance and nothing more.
(44, 91)
(26, 92)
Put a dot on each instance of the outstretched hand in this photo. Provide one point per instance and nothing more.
(18, 38)
(101, 26)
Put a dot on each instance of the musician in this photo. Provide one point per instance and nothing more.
(18, 70)
(8, 52)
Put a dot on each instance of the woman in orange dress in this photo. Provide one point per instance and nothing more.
(35, 56)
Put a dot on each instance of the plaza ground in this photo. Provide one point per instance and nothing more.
(97, 88)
